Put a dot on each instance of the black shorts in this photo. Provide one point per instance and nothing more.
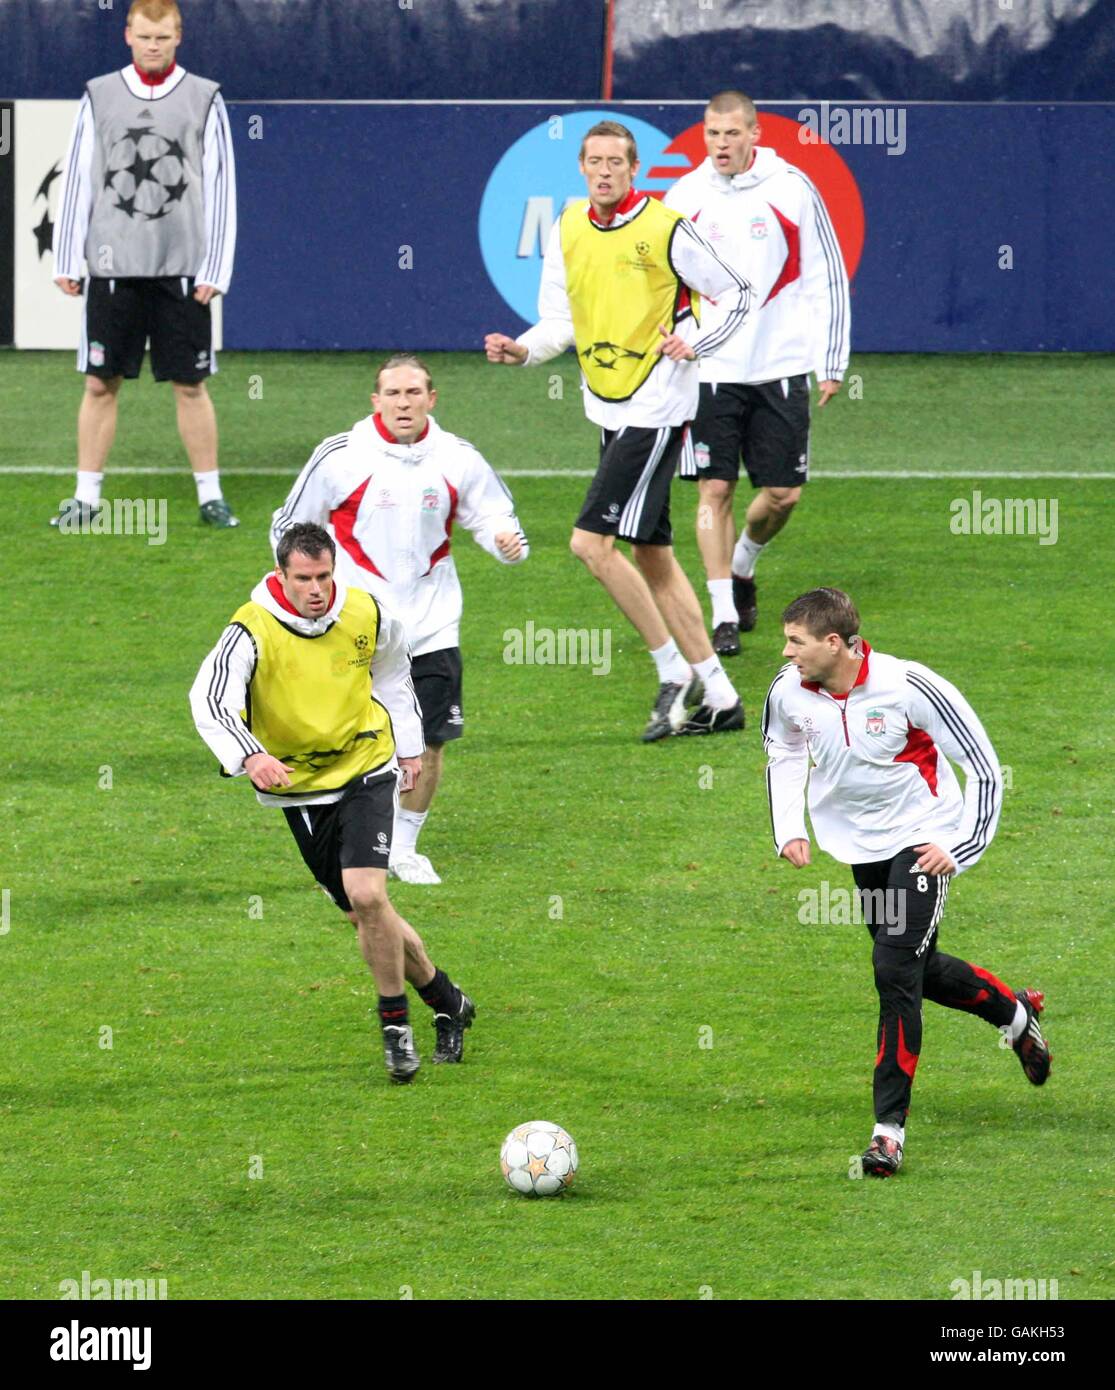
(437, 683)
(630, 495)
(901, 903)
(767, 426)
(120, 315)
(352, 833)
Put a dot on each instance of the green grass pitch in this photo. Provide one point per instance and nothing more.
(710, 1053)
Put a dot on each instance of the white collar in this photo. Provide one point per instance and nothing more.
(365, 435)
(761, 167)
(139, 88)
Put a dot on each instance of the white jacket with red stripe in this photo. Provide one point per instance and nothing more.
(771, 225)
(390, 508)
(876, 761)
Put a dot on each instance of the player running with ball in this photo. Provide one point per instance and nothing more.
(871, 735)
(285, 699)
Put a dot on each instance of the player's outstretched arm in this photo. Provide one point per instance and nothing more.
(498, 347)
(553, 332)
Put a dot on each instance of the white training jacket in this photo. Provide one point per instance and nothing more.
(876, 764)
(219, 692)
(75, 201)
(390, 508)
(669, 394)
(771, 225)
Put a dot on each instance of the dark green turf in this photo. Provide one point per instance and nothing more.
(721, 1167)
(942, 414)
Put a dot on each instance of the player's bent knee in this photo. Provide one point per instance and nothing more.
(783, 499)
(190, 390)
(592, 550)
(369, 900)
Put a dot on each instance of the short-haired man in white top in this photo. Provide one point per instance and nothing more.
(767, 220)
(867, 740)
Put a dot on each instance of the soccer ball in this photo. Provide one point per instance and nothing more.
(538, 1159)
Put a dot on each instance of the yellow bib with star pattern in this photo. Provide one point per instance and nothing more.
(621, 286)
(310, 700)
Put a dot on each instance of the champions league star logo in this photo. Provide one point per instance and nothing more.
(608, 354)
(146, 171)
(44, 231)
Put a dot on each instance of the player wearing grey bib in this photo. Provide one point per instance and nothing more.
(148, 212)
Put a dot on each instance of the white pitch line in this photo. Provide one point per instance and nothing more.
(851, 473)
(929, 473)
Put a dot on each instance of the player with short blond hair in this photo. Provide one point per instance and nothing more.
(390, 490)
(766, 219)
(147, 213)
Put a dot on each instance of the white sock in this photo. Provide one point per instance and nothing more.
(408, 825)
(88, 489)
(890, 1132)
(723, 606)
(670, 663)
(208, 487)
(745, 554)
(720, 693)
(1018, 1022)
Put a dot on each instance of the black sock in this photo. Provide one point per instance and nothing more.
(441, 994)
(392, 1010)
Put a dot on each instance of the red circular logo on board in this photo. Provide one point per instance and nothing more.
(819, 162)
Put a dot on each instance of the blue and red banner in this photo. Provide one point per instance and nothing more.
(964, 227)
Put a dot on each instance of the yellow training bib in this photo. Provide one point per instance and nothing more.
(310, 700)
(621, 285)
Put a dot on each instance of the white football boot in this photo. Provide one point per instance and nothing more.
(412, 868)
